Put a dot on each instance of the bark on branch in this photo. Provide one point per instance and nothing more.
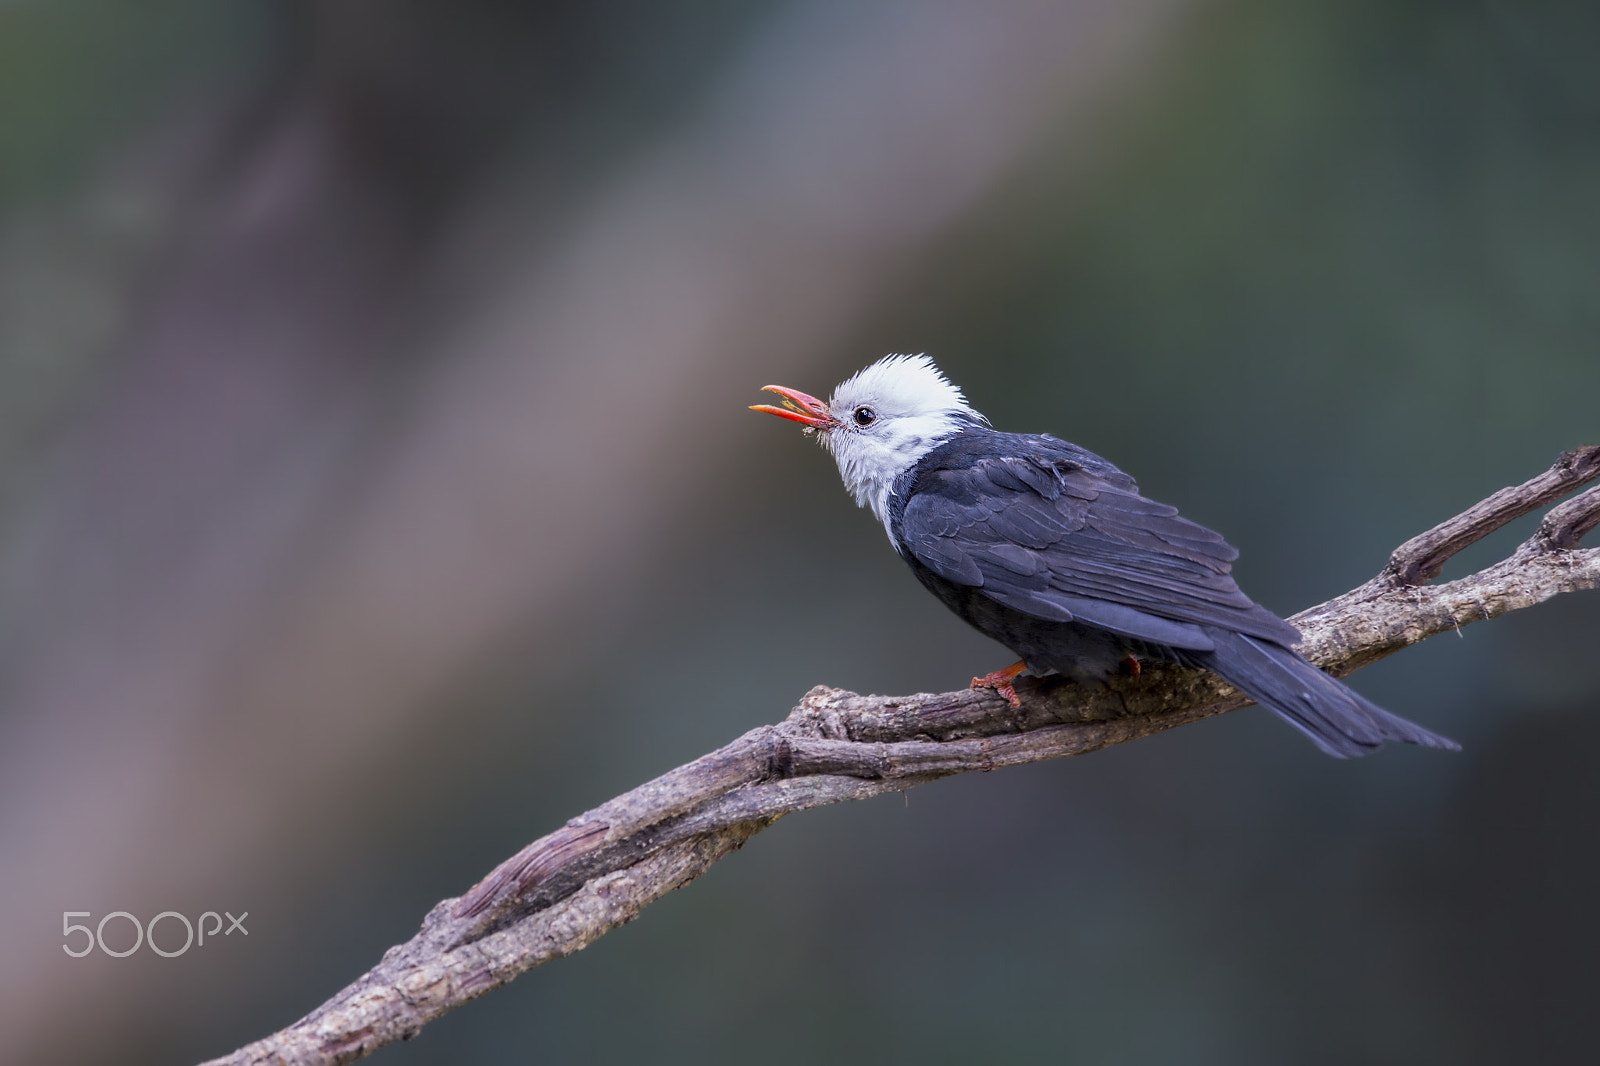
(599, 870)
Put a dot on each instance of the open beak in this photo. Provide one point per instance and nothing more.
(798, 407)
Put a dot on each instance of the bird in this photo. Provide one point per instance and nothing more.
(1052, 551)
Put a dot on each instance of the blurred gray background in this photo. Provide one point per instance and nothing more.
(376, 492)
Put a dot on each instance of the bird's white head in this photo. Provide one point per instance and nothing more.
(879, 422)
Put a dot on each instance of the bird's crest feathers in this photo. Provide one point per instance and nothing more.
(912, 384)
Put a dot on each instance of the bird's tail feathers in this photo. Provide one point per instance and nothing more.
(1338, 720)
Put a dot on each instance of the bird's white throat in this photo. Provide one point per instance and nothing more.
(889, 416)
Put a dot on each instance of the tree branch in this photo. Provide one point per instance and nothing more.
(1419, 560)
(561, 892)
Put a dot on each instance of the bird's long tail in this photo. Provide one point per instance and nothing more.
(1337, 719)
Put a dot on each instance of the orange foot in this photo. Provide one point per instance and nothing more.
(1000, 681)
(1130, 665)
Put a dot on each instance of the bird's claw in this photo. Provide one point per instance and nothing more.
(1000, 681)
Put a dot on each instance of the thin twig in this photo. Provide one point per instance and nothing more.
(1419, 560)
(1564, 526)
(598, 871)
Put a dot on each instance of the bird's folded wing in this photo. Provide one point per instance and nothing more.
(1057, 540)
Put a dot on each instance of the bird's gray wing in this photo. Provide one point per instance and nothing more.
(1051, 537)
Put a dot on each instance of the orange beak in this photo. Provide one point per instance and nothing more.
(798, 407)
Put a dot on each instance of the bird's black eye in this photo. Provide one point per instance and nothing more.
(865, 416)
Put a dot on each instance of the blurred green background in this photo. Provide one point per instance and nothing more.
(376, 492)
